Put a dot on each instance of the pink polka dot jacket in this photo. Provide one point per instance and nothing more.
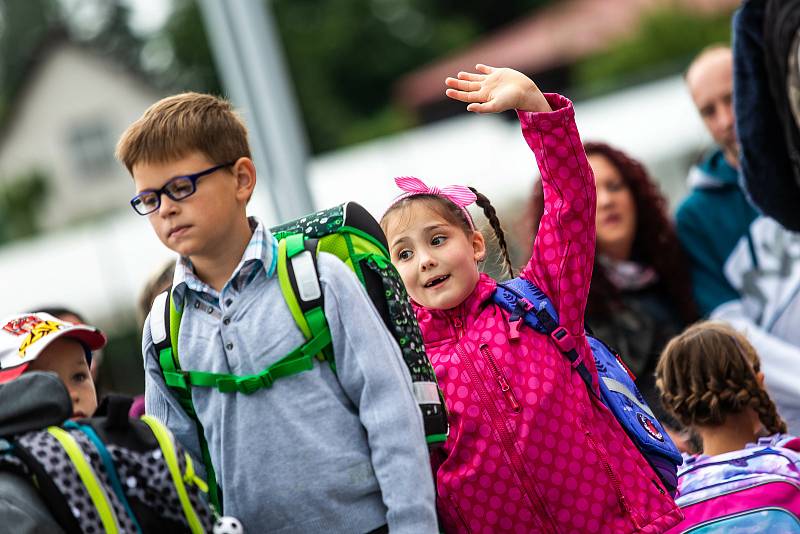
(529, 449)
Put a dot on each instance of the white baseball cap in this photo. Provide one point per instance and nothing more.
(23, 338)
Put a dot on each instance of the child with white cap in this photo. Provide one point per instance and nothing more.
(42, 342)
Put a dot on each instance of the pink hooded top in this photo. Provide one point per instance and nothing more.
(529, 449)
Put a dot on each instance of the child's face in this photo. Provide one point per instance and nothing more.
(66, 358)
(198, 225)
(437, 261)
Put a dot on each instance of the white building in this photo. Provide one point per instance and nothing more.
(70, 110)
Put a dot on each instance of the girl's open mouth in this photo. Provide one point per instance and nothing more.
(436, 281)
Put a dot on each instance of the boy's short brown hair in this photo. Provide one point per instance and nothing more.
(180, 124)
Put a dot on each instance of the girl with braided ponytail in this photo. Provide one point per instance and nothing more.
(747, 479)
(531, 448)
(711, 381)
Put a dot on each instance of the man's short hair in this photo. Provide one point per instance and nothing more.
(710, 49)
(181, 124)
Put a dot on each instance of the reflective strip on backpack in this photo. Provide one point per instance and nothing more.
(619, 387)
(426, 392)
(96, 492)
(305, 275)
(170, 457)
(158, 326)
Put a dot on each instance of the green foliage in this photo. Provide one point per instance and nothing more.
(23, 25)
(192, 67)
(344, 56)
(664, 44)
(19, 199)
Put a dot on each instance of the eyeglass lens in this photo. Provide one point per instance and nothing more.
(176, 189)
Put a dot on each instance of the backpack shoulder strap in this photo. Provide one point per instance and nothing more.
(164, 332)
(299, 282)
(165, 322)
(529, 305)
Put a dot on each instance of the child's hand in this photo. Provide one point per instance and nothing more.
(496, 89)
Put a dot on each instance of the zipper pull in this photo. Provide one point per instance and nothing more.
(509, 395)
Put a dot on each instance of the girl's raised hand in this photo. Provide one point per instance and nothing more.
(492, 90)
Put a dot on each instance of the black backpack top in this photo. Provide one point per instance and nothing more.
(108, 473)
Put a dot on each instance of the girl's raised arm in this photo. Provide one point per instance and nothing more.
(563, 252)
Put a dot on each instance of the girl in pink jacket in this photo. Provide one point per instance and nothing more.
(530, 450)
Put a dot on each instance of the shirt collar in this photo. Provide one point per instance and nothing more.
(260, 255)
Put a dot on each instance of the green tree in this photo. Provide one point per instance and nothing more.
(23, 26)
(345, 55)
(664, 44)
(20, 199)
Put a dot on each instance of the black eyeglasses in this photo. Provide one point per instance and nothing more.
(177, 188)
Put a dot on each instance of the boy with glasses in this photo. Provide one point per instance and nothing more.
(316, 451)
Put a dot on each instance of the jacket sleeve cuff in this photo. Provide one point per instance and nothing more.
(544, 121)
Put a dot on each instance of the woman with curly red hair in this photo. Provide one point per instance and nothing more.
(640, 295)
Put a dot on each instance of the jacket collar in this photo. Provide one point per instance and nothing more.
(714, 173)
(443, 325)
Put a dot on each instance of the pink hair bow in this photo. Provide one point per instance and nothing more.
(459, 195)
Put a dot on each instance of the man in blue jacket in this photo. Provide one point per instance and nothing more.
(744, 266)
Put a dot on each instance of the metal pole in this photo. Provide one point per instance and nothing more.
(249, 58)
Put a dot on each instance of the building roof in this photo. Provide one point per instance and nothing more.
(53, 40)
(551, 37)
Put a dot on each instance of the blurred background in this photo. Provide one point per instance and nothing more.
(358, 87)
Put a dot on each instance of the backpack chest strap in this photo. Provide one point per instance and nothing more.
(299, 360)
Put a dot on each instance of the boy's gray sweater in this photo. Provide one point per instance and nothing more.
(318, 451)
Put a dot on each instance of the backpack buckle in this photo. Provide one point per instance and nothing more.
(516, 320)
(513, 329)
(250, 384)
(244, 384)
(564, 340)
(177, 379)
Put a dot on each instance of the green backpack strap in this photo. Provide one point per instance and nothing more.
(165, 321)
(352, 234)
(299, 282)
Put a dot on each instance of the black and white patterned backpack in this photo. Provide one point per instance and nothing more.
(107, 473)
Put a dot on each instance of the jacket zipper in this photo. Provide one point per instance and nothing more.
(505, 387)
(623, 502)
(507, 440)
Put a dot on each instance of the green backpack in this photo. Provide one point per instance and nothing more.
(349, 232)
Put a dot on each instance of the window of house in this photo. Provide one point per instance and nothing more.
(91, 148)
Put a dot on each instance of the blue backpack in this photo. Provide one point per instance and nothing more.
(617, 390)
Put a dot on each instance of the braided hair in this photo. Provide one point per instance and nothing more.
(491, 214)
(711, 371)
(453, 214)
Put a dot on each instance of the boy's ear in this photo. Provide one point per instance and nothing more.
(245, 172)
(478, 246)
